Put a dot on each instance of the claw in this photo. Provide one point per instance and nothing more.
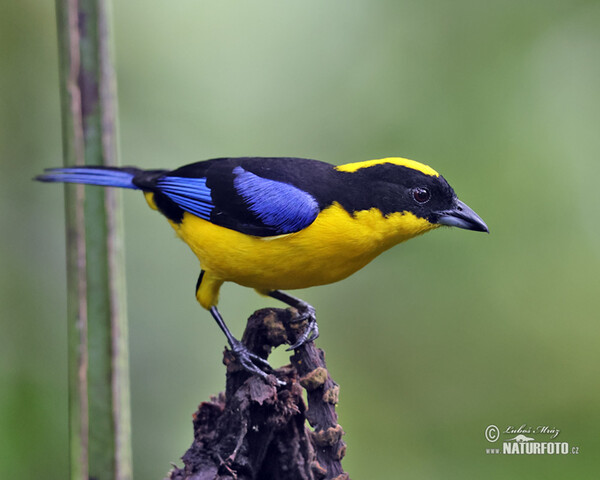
(305, 312)
(310, 334)
(249, 361)
(252, 363)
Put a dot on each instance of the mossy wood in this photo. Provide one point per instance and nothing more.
(257, 430)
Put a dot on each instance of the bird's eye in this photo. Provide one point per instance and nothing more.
(421, 195)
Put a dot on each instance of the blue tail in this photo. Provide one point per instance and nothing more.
(105, 176)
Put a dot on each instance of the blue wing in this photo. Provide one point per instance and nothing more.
(190, 194)
(255, 205)
(278, 205)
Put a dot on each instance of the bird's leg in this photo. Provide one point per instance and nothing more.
(249, 361)
(305, 311)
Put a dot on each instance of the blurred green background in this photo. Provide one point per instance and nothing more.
(433, 341)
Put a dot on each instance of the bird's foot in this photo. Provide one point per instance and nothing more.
(311, 333)
(252, 363)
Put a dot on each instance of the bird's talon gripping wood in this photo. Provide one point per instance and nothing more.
(240, 351)
(253, 363)
(310, 334)
(287, 223)
(306, 312)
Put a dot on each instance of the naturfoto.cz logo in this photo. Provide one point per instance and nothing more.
(526, 440)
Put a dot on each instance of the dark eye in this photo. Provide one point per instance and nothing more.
(421, 195)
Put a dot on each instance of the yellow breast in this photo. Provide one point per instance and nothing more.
(334, 246)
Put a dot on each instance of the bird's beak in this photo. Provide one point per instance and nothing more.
(462, 216)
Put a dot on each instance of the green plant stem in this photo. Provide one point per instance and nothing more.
(98, 358)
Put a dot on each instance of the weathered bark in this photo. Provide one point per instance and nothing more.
(256, 429)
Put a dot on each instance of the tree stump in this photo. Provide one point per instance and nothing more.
(256, 429)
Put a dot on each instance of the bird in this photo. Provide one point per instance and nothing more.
(284, 223)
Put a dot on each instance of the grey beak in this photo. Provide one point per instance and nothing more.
(462, 216)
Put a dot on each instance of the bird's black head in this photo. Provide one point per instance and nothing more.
(400, 185)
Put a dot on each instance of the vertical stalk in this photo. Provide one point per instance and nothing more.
(99, 413)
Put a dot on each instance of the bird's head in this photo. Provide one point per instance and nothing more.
(406, 186)
(428, 195)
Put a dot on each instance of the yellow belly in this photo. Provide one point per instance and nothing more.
(333, 247)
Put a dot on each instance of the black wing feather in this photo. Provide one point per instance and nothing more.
(255, 196)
